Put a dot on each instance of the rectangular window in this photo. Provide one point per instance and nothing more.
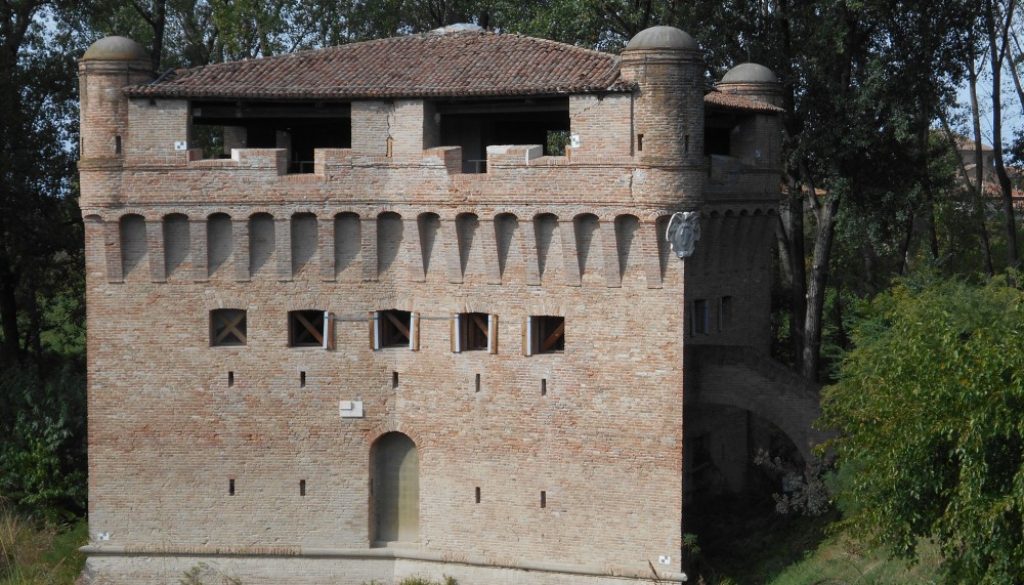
(472, 332)
(306, 328)
(725, 313)
(701, 317)
(393, 329)
(227, 327)
(544, 334)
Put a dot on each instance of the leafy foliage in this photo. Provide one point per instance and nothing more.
(42, 458)
(930, 411)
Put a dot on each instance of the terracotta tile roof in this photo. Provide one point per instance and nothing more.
(736, 102)
(456, 64)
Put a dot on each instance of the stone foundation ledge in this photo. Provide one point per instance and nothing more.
(328, 565)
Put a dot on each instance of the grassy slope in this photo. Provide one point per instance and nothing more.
(804, 551)
(39, 555)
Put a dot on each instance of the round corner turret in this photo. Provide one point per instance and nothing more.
(666, 69)
(749, 73)
(115, 48)
(106, 68)
(662, 38)
(754, 81)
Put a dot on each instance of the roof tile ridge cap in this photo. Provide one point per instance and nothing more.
(568, 46)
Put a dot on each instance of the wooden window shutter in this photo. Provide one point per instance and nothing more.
(328, 330)
(373, 330)
(414, 331)
(492, 333)
(456, 337)
(527, 336)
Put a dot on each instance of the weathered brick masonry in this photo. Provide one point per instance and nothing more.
(557, 467)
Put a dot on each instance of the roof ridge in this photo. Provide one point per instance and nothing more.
(456, 63)
(312, 50)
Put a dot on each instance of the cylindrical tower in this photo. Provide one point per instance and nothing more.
(668, 113)
(752, 80)
(108, 66)
(758, 83)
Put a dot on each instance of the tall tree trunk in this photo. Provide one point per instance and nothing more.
(157, 20)
(9, 310)
(997, 37)
(929, 200)
(825, 215)
(908, 237)
(979, 164)
(976, 187)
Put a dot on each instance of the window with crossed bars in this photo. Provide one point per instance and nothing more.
(473, 331)
(394, 328)
(546, 334)
(227, 327)
(305, 328)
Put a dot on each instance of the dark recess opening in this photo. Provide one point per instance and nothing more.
(301, 127)
(476, 124)
(394, 328)
(717, 133)
(305, 329)
(473, 331)
(548, 334)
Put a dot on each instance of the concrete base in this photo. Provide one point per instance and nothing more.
(121, 566)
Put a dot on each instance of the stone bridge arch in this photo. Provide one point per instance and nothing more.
(743, 378)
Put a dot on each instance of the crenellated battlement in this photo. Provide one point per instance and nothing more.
(399, 244)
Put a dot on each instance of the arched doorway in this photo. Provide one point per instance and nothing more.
(395, 490)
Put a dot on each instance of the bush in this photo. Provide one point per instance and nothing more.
(43, 454)
(930, 411)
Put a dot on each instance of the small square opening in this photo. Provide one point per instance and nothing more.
(394, 328)
(548, 334)
(305, 328)
(227, 327)
(473, 331)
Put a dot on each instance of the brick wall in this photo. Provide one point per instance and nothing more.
(170, 238)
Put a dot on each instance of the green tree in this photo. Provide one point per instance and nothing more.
(930, 414)
(40, 235)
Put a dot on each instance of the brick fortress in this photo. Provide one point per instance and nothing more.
(357, 313)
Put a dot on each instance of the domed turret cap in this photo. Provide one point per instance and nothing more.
(750, 73)
(115, 49)
(662, 38)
